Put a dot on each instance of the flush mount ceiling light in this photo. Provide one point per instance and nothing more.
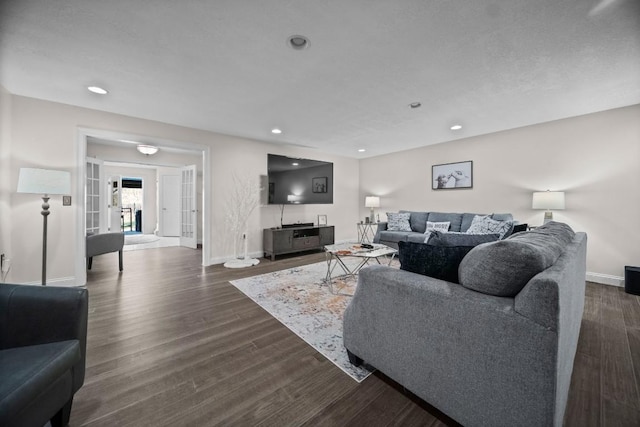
(456, 127)
(361, 150)
(97, 89)
(298, 42)
(415, 105)
(147, 149)
(276, 131)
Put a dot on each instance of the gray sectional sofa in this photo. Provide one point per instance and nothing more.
(460, 222)
(496, 349)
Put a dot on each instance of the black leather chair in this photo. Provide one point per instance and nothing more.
(43, 336)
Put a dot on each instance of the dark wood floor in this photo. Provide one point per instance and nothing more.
(173, 343)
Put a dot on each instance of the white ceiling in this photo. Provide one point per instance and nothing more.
(225, 66)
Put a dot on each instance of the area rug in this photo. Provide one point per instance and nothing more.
(139, 239)
(301, 301)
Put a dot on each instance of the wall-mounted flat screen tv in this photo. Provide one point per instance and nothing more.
(299, 181)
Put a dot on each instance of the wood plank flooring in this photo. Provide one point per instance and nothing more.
(173, 343)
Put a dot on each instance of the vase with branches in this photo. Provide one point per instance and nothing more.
(242, 201)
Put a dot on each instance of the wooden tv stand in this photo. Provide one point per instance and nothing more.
(278, 241)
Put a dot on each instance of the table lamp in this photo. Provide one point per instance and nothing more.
(548, 200)
(372, 202)
(46, 182)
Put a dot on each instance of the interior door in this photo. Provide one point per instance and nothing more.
(95, 212)
(114, 203)
(188, 208)
(170, 208)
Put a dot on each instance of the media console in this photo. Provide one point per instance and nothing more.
(278, 241)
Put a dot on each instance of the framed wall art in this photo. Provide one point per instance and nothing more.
(452, 175)
(319, 184)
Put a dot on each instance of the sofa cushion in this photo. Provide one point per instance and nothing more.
(440, 262)
(27, 371)
(460, 239)
(503, 268)
(486, 225)
(455, 219)
(502, 216)
(417, 220)
(398, 221)
(397, 236)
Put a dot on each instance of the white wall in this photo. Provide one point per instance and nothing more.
(594, 158)
(5, 174)
(45, 134)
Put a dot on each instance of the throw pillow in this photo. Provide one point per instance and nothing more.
(439, 226)
(486, 225)
(440, 262)
(398, 221)
(438, 238)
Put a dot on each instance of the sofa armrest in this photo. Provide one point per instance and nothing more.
(382, 226)
(31, 315)
(439, 340)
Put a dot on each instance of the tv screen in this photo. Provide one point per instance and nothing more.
(299, 181)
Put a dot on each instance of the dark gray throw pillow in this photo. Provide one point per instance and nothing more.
(439, 238)
(440, 262)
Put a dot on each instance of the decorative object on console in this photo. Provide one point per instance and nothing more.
(548, 200)
(244, 198)
(452, 175)
(147, 150)
(372, 202)
(45, 182)
(322, 220)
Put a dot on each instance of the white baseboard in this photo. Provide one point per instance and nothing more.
(605, 279)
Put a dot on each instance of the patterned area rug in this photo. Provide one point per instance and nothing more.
(299, 299)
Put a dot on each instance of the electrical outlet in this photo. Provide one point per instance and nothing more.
(66, 200)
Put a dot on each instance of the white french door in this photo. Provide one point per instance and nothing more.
(188, 208)
(94, 195)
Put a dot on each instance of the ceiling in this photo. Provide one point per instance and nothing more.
(225, 65)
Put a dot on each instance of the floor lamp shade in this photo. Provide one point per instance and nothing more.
(548, 200)
(45, 182)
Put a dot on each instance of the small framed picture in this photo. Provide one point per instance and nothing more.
(452, 175)
(319, 184)
(322, 220)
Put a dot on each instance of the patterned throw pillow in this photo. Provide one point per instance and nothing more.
(398, 221)
(437, 226)
(486, 225)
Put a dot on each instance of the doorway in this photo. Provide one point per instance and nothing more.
(115, 139)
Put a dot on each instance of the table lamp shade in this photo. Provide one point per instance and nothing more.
(548, 200)
(372, 202)
(44, 181)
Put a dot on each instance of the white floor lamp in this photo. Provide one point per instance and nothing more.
(46, 182)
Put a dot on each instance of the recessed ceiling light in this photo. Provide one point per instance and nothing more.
(276, 131)
(97, 89)
(415, 105)
(456, 127)
(361, 150)
(295, 164)
(298, 42)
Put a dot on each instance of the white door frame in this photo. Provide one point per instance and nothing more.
(79, 196)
